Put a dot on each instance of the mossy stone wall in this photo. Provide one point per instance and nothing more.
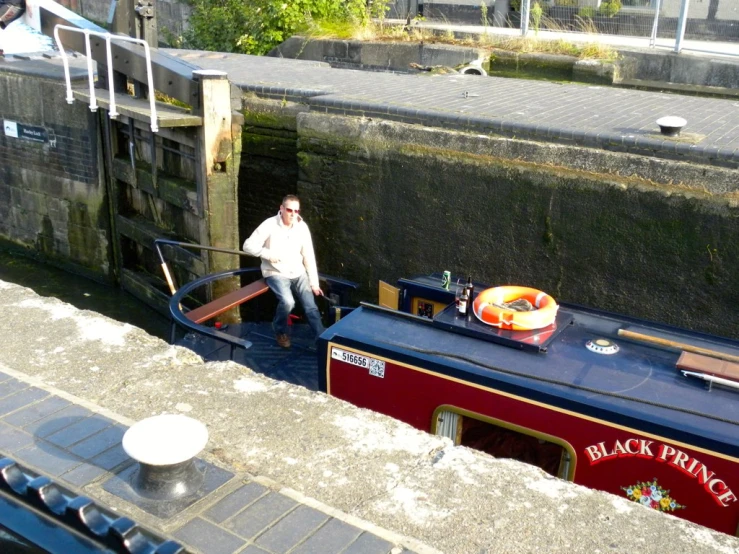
(269, 163)
(53, 200)
(386, 200)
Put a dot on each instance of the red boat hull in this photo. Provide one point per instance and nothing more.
(685, 480)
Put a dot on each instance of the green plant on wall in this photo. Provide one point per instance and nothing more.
(565, 3)
(610, 8)
(257, 26)
(536, 13)
(714, 265)
(377, 9)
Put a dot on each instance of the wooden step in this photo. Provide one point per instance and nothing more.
(140, 109)
(227, 301)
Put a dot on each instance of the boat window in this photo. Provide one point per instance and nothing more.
(505, 440)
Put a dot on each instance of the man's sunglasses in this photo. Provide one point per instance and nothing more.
(292, 211)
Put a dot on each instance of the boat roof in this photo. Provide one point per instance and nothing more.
(639, 386)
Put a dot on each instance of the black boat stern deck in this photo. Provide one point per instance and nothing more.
(297, 365)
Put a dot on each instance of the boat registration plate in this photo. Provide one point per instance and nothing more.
(375, 367)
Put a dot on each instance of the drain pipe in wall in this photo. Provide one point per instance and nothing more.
(474, 68)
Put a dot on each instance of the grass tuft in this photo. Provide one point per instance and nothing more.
(373, 31)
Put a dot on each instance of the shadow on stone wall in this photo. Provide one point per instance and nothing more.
(384, 203)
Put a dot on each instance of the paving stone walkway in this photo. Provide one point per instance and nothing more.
(80, 449)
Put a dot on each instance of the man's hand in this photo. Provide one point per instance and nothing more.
(317, 291)
(274, 260)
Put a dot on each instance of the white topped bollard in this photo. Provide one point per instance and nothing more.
(671, 125)
(165, 447)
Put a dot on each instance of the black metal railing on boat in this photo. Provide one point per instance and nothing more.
(338, 294)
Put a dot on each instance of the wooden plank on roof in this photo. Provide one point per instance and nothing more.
(705, 364)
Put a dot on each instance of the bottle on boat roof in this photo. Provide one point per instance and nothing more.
(463, 302)
(470, 289)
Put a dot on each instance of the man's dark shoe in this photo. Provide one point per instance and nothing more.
(283, 341)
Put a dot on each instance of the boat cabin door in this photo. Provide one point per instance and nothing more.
(388, 296)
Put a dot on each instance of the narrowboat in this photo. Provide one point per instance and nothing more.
(644, 411)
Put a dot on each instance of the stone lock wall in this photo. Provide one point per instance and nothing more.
(387, 200)
(269, 164)
(52, 193)
(60, 200)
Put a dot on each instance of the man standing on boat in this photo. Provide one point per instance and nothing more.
(284, 244)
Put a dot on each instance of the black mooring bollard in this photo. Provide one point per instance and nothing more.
(165, 447)
(671, 125)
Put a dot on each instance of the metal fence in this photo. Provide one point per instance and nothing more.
(666, 23)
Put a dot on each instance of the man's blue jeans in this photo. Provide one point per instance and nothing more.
(284, 289)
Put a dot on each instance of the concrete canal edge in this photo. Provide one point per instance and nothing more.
(634, 67)
(413, 489)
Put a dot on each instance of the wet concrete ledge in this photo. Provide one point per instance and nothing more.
(409, 489)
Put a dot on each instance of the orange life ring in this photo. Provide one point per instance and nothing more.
(487, 307)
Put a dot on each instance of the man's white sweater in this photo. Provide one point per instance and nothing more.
(285, 251)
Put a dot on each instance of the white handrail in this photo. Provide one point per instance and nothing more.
(108, 37)
(112, 111)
